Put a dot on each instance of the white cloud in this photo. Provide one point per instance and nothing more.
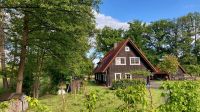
(103, 20)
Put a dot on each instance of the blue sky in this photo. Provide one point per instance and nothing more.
(147, 10)
(117, 13)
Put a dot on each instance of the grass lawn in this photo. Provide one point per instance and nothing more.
(75, 103)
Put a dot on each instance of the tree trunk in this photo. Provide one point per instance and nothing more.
(40, 59)
(23, 54)
(2, 52)
(13, 72)
(36, 87)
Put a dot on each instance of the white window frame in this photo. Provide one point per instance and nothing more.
(128, 74)
(134, 63)
(120, 76)
(116, 63)
(127, 48)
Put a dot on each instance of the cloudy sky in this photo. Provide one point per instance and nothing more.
(116, 13)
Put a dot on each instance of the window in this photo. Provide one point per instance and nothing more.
(134, 60)
(105, 78)
(128, 76)
(127, 48)
(118, 76)
(120, 61)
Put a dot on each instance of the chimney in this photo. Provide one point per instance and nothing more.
(115, 45)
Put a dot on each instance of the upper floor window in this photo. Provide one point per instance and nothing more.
(127, 48)
(134, 60)
(120, 61)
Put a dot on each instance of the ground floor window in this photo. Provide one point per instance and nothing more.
(104, 78)
(99, 77)
(118, 76)
(128, 76)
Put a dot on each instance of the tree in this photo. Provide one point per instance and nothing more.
(107, 37)
(2, 50)
(197, 50)
(159, 35)
(193, 70)
(137, 32)
(169, 64)
(40, 25)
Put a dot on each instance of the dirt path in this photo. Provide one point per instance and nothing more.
(155, 84)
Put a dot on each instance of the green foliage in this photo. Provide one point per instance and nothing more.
(107, 37)
(181, 96)
(169, 64)
(36, 106)
(91, 101)
(134, 97)
(136, 32)
(122, 84)
(4, 106)
(56, 30)
(193, 70)
(144, 73)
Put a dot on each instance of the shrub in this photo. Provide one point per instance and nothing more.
(4, 106)
(135, 98)
(122, 84)
(91, 100)
(181, 96)
(36, 106)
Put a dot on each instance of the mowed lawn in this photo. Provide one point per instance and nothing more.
(108, 102)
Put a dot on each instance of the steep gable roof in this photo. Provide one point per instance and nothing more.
(182, 69)
(110, 56)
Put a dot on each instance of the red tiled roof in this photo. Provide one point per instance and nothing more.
(110, 56)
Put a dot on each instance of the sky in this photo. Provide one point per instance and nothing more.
(117, 13)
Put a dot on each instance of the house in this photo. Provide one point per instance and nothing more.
(120, 61)
(124, 58)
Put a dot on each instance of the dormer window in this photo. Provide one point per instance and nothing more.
(120, 61)
(134, 60)
(127, 48)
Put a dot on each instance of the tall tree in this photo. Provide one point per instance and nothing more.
(137, 32)
(159, 33)
(106, 38)
(2, 50)
(61, 23)
(185, 40)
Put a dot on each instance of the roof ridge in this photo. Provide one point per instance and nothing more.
(110, 56)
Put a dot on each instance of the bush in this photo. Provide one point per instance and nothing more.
(134, 97)
(36, 106)
(4, 106)
(181, 96)
(122, 84)
(91, 100)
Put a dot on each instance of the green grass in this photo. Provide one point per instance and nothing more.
(157, 98)
(75, 103)
(108, 102)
